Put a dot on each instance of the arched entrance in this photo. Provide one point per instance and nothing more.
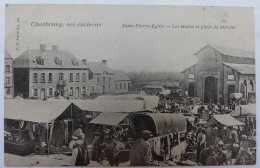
(211, 89)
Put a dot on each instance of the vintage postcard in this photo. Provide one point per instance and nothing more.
(129, 85)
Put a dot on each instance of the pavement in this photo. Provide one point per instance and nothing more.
(46, 161)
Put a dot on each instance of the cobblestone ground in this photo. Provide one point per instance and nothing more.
(64, 160)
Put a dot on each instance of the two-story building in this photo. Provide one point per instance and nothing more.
(43, 72)
(122, 82)
(9, 86)
(219, 72)
(102, 81)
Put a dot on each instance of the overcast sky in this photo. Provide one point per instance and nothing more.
(130, 49)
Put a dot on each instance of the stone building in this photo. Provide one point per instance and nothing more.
(102, 81)
(122, 82)
(42, 73)
(9, 85)
(219, 72)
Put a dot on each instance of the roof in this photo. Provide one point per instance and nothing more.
(8, 55)
(231, 51)
(120, 75)
(234, 52)
(52, 59)
(162, 123)
(245, 69)
(245, 110)
(99, 68)
(34, 110)
(109, 118)
(228, 120)
(110, 105)
(189, 67)
(166, 92)
(153, 86)
(148, 102)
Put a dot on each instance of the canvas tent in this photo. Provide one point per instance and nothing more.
(166, 92)
(224, 119)
(149, 102)
(245, 110)
(55, 121)
(122, 103)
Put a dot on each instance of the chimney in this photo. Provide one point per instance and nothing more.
(43, 47)
(55, 48)
(84, 61)
(104, 62)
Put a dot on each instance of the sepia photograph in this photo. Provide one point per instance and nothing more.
(129, 85)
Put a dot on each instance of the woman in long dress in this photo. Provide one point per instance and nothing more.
(74, 147)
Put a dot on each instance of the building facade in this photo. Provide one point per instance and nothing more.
(122, 82)
(42, 73)
(219, 72)
(9, 85)
(102, 81)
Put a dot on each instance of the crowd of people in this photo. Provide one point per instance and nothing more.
(212, 142)
(217, 144)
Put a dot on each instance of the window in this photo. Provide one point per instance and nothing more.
(7, 80)
(8, 91)
(109, 87)
(104, 79)
(71, 77)
(71, 91)
(124, 86)
(120, 85)
(191, 76)
(109, 79)
(104, 88)
(50, 92)
(7, 68)
(42, 77)
(60, 76)
(83, 90)
(35, 92)
(39, 61)
(77, 77)
(116, 86)
(231, 77)
(97, 79)
(35, 77)
(83, 77)
(50, 77)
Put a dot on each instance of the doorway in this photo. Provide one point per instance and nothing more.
(42, 94)
(77, 93)
(211, 89)
(191, 89)
(231, 89)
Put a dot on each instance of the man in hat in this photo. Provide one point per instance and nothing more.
(201, 143)
(205, 154)
(244, 142)
(226, 134)
(233, 136)
(140, 154)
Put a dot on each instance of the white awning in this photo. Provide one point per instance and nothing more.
(228, 120)
(245, 110)
(34, 110)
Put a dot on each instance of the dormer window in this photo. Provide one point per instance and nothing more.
(39, 61)
(74, 61)
(58, 61)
